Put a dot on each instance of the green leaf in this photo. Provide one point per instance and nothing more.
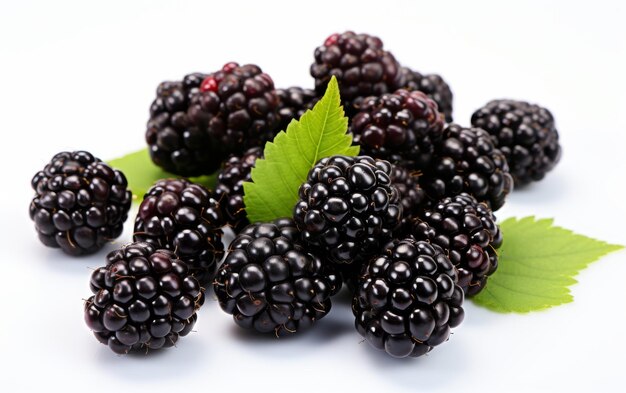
(320, 132)
(141, 173)
(537, 264)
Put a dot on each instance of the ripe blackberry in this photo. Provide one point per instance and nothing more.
(269, 282)
(433, 86)
(80, 203)
(143, 299)
(229, 189)
(348, 207)
(238, 107)
(412, 197)
(183, 217)
(467, 161)
(400, 127)
(293, 102)
(362, 67)
(468, 233)
(177, 143)
(525, 133)
(407, 299)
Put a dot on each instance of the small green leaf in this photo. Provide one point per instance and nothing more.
(320, 132)
(141, 173)
(537, 264)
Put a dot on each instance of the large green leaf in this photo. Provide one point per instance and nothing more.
(320, 132)
(141, 173)
(537, 265)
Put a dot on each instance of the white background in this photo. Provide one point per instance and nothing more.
(76, 75)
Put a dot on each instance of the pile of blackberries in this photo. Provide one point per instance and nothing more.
(408, 225)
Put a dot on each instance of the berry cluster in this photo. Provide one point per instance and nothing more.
(408, 224)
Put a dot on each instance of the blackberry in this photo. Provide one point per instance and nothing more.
(412, 197)
(144, 298)
(362, 67)
(80, 203)
(269, 282)
(348, 207)
(177, 143)
(467, 161)
(433, 86)
(229, 189)
(468, 232)
(525, 133)
(238, 107)
(400, 127)
(183, 217)
(293, 102)
(407, 299)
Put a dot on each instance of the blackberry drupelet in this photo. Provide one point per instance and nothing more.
(401, 127)
(176, 143)
(144, 298)
(525, 133)
(183, 217)
(293, 102)
(407, 299)
(238, 107)
(362, 67)
(80, 203)
(270, 282)
(433, 86)
(466, 160)
(468, 233)
(412, 197)
(229, 188)
(348, 208)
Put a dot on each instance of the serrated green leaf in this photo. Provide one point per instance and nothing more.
(141, 173)
(537, 264)
(320, 132)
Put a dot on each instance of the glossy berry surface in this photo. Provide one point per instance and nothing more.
(466, 160)
(237, 108)
(80, 203)
(293, 102)
(185, 218)
(271, 283)
(143, 299)
(362, 67)
(412, 197)
(348, 207)
(467, 231)
(229, 188)
(400, 127)
(525, 133)
(177, 143)
(433, 85)
(407, 299)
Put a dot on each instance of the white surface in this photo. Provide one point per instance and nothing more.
(74, 75)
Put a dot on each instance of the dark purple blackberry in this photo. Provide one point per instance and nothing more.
(407, 299)
(348, 208)
(525, 133)
(80, 203)
(143, 299)
(183, 217)
(432, 85)
(229, 188)
(176, 143)
(412, 197)
(238, 107)
(466, 160)
(468, 233)
(400, 127)
(293, 102)
(362, 67)
(270, 283)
